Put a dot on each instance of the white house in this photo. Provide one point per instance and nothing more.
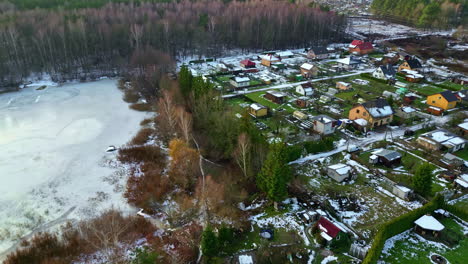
(305, 89)
(239, 82)
(324, 125)
(440, 139)
(339, 172)
(385, 72)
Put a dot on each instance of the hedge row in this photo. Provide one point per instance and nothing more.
(397, 226)
(443, 86)
(369, 76)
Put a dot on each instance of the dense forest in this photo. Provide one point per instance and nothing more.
(102, 37)
(424, 13)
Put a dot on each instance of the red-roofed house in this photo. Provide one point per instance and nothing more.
(247, 64)
(360, 47)
(327, 229)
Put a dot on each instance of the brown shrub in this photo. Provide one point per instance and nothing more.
(143, 107)
(131, 96)
(142, 136)
(146, 121)
(142, 191)
(141, 154)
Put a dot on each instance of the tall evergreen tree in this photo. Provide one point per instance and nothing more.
(275, 173)
(185, 80)
(422, 180)
(209, 243)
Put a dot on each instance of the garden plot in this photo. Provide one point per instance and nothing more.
(358, 203)
(409, 247)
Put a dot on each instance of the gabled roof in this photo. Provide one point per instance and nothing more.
(390, 155)
(328, 227)
(388, 70)
(449, 96)
(307, 85)
(429, 222)
(355, 42)
(248, 63)
(307, 66)
(378, 108)
(414, 63)
(365, 45)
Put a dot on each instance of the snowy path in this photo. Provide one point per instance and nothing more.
(361, 142)
(290, 85)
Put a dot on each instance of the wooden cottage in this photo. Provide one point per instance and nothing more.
(258, 110)
(275, 97)
(427, 224)
(444, 100)
(343, 86)
(308, 70)
(360, 47)
(377, 112)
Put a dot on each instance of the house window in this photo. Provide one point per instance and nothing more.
(433, 102)
(440, 97)
(376, 124)
(357, 111)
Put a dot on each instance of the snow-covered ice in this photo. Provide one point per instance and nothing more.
(53, 158)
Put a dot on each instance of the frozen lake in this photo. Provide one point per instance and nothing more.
(53, 164)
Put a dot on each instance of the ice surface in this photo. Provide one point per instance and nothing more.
(53, 154)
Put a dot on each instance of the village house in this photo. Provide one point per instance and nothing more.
(377, 112)
(344, 86)
(444, 100)
(348, 63)
(319, 53)
(269, 59)
(460, 80)
(305, 89)
(339, 172)
(384, 72)
(412, 76)
(391, 58)
(360, 47)
(405, 112)
(308, 70)
(258, 110)
(324, 125)
(411, 64)
(389, 158)
(275, 97)
(239, 82)
(327, 229)
(441, 139)
(427, 224)
(247, 64)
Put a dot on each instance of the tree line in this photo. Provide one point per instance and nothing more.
(424, 13)
(83, 43)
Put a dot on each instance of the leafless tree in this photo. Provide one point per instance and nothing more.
(242, 153)
(184, 120)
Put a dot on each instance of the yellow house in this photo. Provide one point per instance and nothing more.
(377, 112)
(445, 100)
(411, 64)
(258, 110)
(269, 59)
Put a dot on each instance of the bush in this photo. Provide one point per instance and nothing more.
(142, 107)
(323, 145)
(140, 154)
(293, 152)
(142, 136)
(131, 96)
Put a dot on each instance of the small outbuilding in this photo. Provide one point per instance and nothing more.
(327, 229)
(239, 82)
(343, 86)
(275, 97)
(308, 70)
(247, 64)
(324, 124)
(427, 224)
(339, 172)
(258, 110)
(389, 158)
(402, 191)
(302, 102)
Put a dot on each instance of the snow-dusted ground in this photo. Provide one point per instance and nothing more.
(53, 164)
(361, 27)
